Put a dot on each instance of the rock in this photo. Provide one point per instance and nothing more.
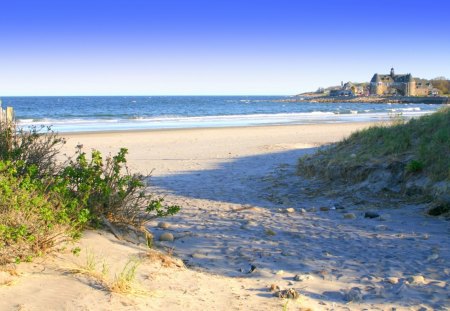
(371, 215)
(251, 223)
(312, 209)
(248, 224)
(353, 295)
(274, 288)
(302, 277)
(166, 236)
(441, 206)
(163, 225)
(290, 293)
(416, 279)
(251, 269)
(392, 280)
(302, 211)
(349, 216)
(324, 209)
(289, 210)
(279, 272)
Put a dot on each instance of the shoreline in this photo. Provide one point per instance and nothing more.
(442, 100)
(193, 129)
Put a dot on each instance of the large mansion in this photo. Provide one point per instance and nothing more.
(403, 84)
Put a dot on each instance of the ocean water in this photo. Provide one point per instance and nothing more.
(95, 113)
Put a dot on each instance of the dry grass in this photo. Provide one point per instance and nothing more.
(8, 275)
(167, 261)
(97, 269)
(125, 281)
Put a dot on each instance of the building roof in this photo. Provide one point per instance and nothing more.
(390, 79)
(376, 78)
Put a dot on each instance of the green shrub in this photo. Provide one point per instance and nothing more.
(108, 189)
(44, 202)
(37, 146)
(414, 166)
(31, 221)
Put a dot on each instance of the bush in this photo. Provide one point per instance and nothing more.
(414, 166)
(44, 201)
(31, 221)
(108, 189)
(37, 146)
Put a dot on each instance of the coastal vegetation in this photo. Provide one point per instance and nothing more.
(442, 84)
(45, 201)
(404, 157)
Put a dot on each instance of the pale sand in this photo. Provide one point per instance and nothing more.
(234, 186)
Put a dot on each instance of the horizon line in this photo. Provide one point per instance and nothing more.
(145, 95)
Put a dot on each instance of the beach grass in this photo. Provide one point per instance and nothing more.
(417, 148)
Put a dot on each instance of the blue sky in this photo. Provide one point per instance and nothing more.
(187, 47)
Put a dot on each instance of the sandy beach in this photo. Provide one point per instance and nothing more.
(247, 223)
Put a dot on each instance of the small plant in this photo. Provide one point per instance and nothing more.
(76, 251)
(414, 166)
(124, 282)
(270, 232)
(105, 268)
(91, 261)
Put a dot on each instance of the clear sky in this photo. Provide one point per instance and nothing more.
(215, 47)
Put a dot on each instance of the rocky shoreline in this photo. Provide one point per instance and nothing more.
(368, 99)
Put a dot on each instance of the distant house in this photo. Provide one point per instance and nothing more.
(403, 84)
(434, 92)
(354, 88)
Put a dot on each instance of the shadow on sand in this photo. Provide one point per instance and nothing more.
(238, 181)
(216, 232)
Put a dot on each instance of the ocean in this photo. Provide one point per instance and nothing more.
(118, 113)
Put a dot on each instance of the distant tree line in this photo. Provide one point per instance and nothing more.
(442, 84)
